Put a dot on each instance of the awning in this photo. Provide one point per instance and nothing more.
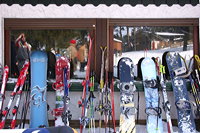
(97, 2)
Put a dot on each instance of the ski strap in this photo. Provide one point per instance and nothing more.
(150, 83)
(127, 88)
(183, 105)
(157, 111)
(128, 111)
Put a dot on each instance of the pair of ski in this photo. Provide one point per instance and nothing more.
(16, 92)
(105, 105)
(86, 99)
(61, 112)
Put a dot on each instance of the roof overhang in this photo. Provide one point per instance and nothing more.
(98, 2)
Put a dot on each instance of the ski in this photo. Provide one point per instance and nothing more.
(17, 91)
(38, 103)
(61, 86)
(66, 115)
(113, 105)
(99, 107)
(3, 87)
(184, 108)
(91, 104)
(127, 89)
(166, 104)
(153, 110)
(84, 103)
(107, 108)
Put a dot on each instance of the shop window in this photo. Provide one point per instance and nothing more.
(151, 41)
(72, 44)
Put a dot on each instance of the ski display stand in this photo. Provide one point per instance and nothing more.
(127, 89)
(184, 108)
(61, 111)
(153, 111)
(38, 105)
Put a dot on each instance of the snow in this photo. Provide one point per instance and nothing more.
(135, 56)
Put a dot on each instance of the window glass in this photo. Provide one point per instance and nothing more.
(72, 44)
(151, 41)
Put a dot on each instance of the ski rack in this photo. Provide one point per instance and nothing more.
(20, 83)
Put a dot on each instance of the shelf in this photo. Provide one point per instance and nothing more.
(76, 86)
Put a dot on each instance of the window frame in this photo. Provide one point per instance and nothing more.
(101, 30)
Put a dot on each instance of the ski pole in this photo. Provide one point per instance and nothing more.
(166, 104)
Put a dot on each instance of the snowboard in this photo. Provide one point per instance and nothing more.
(38, 103)
(127, 89)
(62, 69)
(184, 108)
(154, 120)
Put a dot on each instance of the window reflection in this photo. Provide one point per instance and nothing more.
(132, 42)
(72, 44)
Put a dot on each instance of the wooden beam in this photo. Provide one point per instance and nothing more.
(196, 39)
(7, 49)
(101, 40)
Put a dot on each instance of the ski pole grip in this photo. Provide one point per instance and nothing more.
(161, 66)
(101, 84)
(164, 72)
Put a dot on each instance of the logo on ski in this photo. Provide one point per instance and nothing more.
(36, 97)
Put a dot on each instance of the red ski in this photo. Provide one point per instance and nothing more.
(3, 86)
(61, 112)
(85, 96)
(20, 83)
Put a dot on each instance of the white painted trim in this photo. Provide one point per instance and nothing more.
(101, 11)
(2, 42)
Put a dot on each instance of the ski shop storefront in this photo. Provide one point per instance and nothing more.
(131, 29)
